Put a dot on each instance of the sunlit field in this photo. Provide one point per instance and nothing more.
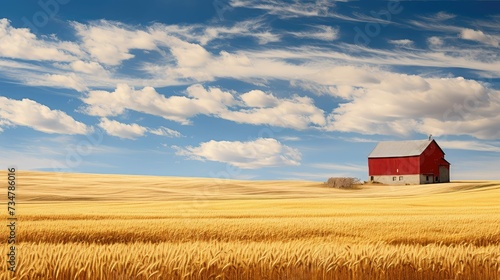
(83, 226)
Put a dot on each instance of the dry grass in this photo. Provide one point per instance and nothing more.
(252, 230)
(256, 260)
(342, 182)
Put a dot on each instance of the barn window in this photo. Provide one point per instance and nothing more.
(427, 178)
(400, 178)
(394, 178)
(371, 178)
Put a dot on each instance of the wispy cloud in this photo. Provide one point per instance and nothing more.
(122, 130)
(263, 152)
(480, 36)
(402, 42)
(290, 138)
(317, 8)
(470, 146)
(358, 139)
(320, 32)
(440, 16)
(164, 131)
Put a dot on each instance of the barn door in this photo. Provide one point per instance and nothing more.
(444, 174)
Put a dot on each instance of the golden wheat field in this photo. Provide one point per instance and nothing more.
(85, 226)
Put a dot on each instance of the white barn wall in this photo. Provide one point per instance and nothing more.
(405, 179)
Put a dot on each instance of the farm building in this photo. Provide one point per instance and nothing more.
(408, 162)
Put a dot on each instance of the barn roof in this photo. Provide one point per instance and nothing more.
(399, 148)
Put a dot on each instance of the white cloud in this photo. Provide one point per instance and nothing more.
(444, 16)
(21, 43)
(254, 28)
(29, 113)
(290, 138)
(87, 67)
(320, 32)
(71, 81)
(147, 100)
(318, 8)
(434, 41)
(469, 145)
(110, 42)
(479, 36)
(438, 17)
(185, 62)
(296, 112)
(4, 123)
(118, 129)
(190, 55)
(402, 42)
(265, 109)
(258, 98)
(164, 131)
(263, 152)
(381, 103)
(351, 72)
(134, 131)
(405, 104)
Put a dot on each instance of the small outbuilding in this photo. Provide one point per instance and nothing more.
(408, 162)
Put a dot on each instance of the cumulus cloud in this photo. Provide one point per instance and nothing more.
(296, 112)
(110, 42)
(122, 130)
(258, 98)
(254, 107)
(29, 113)
(149, 101)
(479, 36)
(21, 43)
(438, 106)
(381, 103)
(263, 152)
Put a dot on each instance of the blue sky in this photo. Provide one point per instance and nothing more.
(246, 89)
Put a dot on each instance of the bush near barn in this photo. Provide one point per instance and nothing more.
(342, 182)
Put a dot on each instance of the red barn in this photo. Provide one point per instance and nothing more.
(408, 162)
